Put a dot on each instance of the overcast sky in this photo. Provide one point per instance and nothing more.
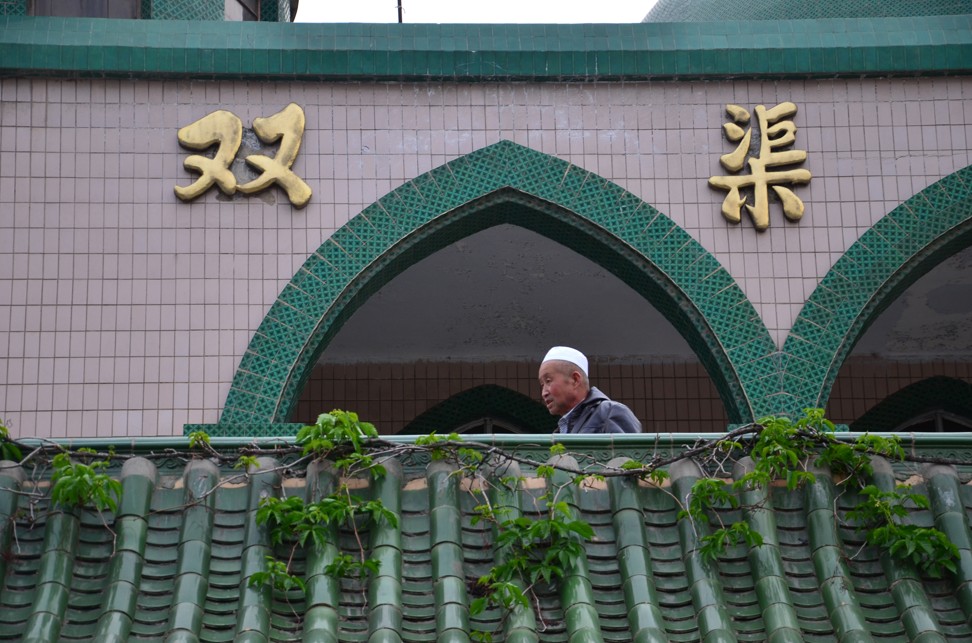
(466, 11)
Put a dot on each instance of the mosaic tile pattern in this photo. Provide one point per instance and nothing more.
(278, 11)
(13, 7)
(717, 11)
(188, 9)
(898, 249)
(174, 561)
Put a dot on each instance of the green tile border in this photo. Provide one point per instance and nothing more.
(901, 247)
(502, 183)
(285, 51)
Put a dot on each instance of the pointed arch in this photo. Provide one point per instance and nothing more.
(503, 183)
(904, 245)
(945, 393)
(482, 401)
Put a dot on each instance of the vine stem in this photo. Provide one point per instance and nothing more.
(391, 448)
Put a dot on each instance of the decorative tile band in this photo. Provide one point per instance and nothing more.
(210, 49)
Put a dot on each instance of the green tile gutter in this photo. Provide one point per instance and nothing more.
(916, 610)
(951, 517)
(385, 591)
(139, 478)
(576, 592)
(521, 624)
(634, 560)
(78, 47)
(323, 591)
(715, 623)
(829, 562)
(253, 615)
(766, 561)
(192, 575)
(449, 581)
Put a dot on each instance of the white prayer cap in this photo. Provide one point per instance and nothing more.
(567, 354)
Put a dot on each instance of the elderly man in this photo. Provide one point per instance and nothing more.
(568, 393)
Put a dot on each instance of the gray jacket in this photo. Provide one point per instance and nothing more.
(599, 414)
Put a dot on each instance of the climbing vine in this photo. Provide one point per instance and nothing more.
(880, 516)
(341, 437)
(534, 551)
(80, 480)
(785, 449)
(529, 551)
(8, 450)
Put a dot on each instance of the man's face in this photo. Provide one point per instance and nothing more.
(560, 386)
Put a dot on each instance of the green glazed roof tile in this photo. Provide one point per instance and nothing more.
(178, 573)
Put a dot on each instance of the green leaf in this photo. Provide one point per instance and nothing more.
(198, 440)
(478, 606)
(78, 484)
(246, 461)
(8, 450)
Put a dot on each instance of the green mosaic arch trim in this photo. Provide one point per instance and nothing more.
(503, 183)
(13, 7)
(183, 9)
(947, 393)
(489, 400)
(901, 247)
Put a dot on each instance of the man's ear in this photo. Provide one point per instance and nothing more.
(576, 377)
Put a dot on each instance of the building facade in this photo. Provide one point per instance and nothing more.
(477, 194)
(233, 226)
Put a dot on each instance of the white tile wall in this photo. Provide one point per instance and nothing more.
(124, 311)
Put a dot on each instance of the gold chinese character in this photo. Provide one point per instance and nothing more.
(220, 127)
(225, 128)
(286, 126)
(775, 133)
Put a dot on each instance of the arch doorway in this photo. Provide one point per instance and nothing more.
(912, 368)
(511, 188)
(464, 329)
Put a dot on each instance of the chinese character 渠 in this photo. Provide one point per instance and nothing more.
(775, 131)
